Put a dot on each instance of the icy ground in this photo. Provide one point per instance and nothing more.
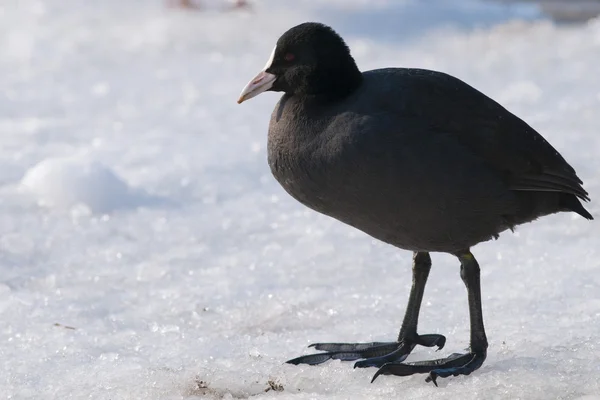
(147, 253)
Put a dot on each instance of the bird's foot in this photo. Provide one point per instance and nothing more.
(374, 354)
(456, 364)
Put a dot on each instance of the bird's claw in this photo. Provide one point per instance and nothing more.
(374, 354)
(432, 377)
(455, 364)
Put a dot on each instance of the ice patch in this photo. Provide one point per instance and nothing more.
(76, 181)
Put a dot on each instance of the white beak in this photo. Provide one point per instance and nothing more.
(261, 83)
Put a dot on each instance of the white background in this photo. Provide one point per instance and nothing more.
(136, 206)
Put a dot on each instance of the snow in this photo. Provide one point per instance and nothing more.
(147, 253)
(78, 181)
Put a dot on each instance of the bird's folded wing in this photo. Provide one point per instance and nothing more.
(504, 142)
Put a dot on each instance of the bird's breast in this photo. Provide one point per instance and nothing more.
(303, 172)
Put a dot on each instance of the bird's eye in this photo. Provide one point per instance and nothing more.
(289, 57)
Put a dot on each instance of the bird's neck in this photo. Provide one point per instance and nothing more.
(332, 83)
(340, 83)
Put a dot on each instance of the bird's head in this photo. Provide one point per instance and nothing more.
(309, 59)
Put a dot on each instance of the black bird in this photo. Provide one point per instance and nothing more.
(412, 157)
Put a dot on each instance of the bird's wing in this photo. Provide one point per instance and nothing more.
(502, 140)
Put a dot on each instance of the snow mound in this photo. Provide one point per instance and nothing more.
(75, 181)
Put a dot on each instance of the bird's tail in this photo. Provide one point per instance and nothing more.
(571, 203)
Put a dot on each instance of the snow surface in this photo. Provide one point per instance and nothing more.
(167, 263)
(74, 182)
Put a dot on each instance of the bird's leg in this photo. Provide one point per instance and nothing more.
(376, 354)
(456, 364)
(408, 337)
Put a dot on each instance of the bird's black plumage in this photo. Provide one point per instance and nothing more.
(415, 158)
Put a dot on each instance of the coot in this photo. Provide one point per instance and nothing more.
(412, 157)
